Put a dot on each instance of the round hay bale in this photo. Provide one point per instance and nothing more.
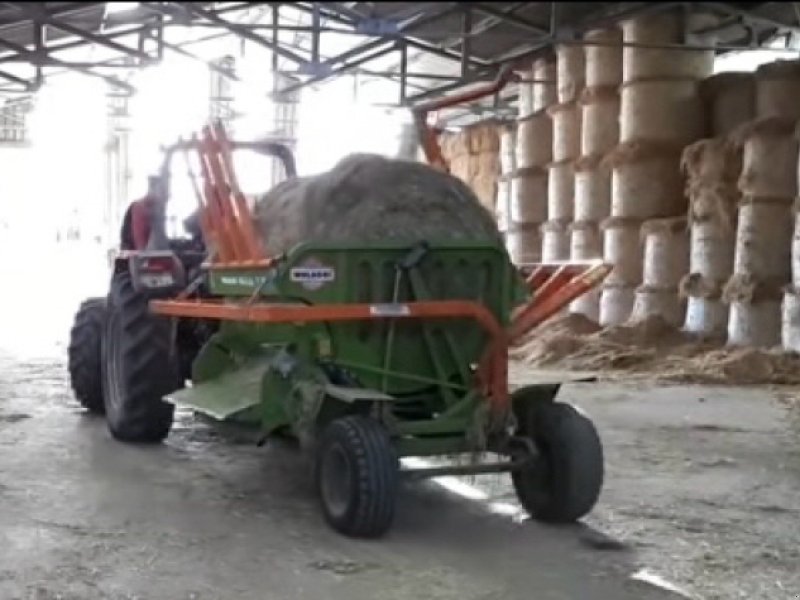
(367, 198)
(706, 316)
(534, 140)
(544, 94)
(646, 63)
(646, 181)
(525, 93)
(508, 150)
(711, 249)
(566, 131)
(777, 88)
(587, 305)
(714, 202)
(599, 120)
(529, 195)
(622, 249)
(755, 324)
(586, 241)
(790, 320)
(503, 202)
(764, 241)
(714, 160)
(669, 110)
(485, 189)
(616, 303)
(731, 101)
(561, 190)
(483, 137)
(570, 72)
(524, 243)
(656, 302)
(592, 190)
(555, 241)
(603, 60)
(769, 159)
(666, 252)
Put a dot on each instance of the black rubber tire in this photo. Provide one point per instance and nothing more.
(138, 369)
(356, 475)
(564, 482)
(84, 354)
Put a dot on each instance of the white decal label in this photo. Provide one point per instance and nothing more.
(312, 274)
(390, 310)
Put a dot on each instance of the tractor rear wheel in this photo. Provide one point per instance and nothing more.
(84, 354)
(563, 482)
(138, 367)
(356, 475)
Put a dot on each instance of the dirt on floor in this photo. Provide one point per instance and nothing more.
(655, 350)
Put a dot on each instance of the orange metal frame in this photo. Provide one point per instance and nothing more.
(228, 224)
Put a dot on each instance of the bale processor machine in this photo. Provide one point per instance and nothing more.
(366, 354)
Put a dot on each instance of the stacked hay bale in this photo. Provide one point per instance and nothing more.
(661, 111)
(566, 123)
(528, 182)
(762, 255)
(712, 167)
(599, 105)
(473, 156)
(508, 161)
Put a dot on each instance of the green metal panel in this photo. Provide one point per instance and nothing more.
(425, 368)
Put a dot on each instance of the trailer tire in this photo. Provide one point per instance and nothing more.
(84, 354)
(356, 475)
(138, 368)
(564, 481)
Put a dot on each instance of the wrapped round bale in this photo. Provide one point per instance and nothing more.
(570, 71)
(508, 142)
(706, 316)
(712, 244)
(616, 303)
(668, 110)
(555, 241)
(534, 140)
(764, 240)
(502, 205)
(586, 241)
(790, 320)
(646, 180)
(777, 89)
(769, 159)
(561, 190)
(666, 253)
(731, 101)
(566, 131)
(665, 28)
(657, 302)
(592, 189)
(623, 250)
(599, 120)
(525, 90)
(544, 86)
(368, 198)
(755, 312)
(529, 195)
(713, 160)
(603, 57)
(524, 243)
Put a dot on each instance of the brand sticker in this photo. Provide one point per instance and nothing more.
(312, 274)
(390, 310)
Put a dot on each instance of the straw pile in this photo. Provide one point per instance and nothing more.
(369, 198)
(652, 349)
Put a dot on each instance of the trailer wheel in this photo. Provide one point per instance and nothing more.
(356, 473)
(138, 369)
(84, 354)
(564, 481)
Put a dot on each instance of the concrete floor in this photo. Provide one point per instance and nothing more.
(703, 493)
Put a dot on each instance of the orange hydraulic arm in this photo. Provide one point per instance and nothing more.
(428, 136)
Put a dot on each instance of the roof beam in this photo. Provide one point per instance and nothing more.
(506, 16)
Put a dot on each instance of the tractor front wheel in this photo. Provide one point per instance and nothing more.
(85, 354)
(563, 482)
(356, 475)
(138, 366)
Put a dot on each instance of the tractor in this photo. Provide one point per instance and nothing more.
(364, 353)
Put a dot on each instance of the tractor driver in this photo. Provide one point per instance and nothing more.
(136, 224)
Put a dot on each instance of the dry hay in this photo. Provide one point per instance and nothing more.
(369, 198)
(652, 349)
